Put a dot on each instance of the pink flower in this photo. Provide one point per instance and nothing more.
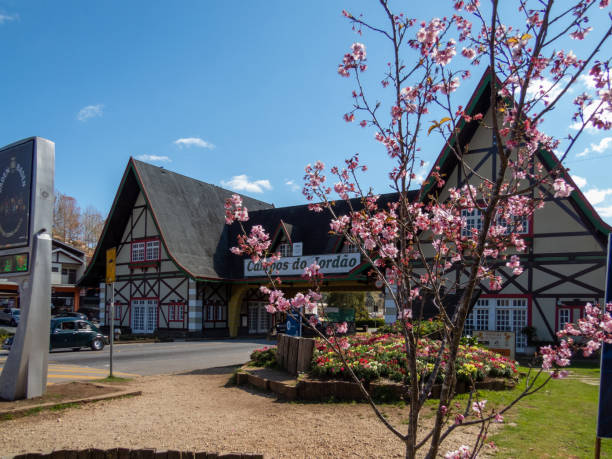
(479, 406)
(468, 52)
(463, 452)
(342, 328)
(562, 189)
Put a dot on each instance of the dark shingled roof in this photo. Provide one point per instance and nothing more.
(191, 219)
(188, 213)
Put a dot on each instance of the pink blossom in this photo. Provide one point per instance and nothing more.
(342, 328)
(479, 406)
(469, 53)
(463, 452)
(562, 189)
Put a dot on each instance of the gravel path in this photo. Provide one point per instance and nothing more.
(197, 412)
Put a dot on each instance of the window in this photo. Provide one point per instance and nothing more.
(500, 314)
(473, 220)
(55, 269)
(145, 251)
(138, 251)
(176, 312)
(215, 314)
(83, 326)
(349, 248)
(68, 276)
(68, 326)
(153, 250)
(565, 317)
(259, 319)
(285, 250)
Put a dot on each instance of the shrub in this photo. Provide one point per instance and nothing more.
(372, 323)
(265, 357)
(383, 356)
(425, 328)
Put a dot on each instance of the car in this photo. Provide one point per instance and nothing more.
(10, 316)
(75, 315)
(69, 332)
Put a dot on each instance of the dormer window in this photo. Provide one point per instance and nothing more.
(285, 250)
(145, 251)
(349, 248)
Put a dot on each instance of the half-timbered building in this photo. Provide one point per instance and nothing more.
(175, 273)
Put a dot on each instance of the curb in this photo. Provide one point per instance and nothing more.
(80, 401)
(322, 390)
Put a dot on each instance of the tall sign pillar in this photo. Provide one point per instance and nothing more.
(26, 217)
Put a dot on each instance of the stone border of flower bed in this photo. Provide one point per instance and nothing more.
(306, 389)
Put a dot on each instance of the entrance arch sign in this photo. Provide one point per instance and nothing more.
(26, 217)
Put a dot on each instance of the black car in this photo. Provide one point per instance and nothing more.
(68, 332)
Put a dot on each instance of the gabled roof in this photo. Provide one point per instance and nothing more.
(480, 102)
(188, 213)
(310, 228)
(67, 248)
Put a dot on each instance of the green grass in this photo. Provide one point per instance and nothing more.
(112, 380)
(559, 421)
(64, 406)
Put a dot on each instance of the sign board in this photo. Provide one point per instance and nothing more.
(111, 261)
(604, 414)
(16, 263)
(502, 342)
(27, 170)
(15, 194)
(293, 325)
(291, 266)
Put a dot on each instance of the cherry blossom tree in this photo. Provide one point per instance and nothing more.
(412, 244)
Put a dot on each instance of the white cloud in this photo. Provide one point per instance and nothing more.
(195, 142)
(242, 183)
(595, 195)
(604, 114)
(421, 173)
(154, 158)
(602, 145)
(545, 85)
(90, 111)
(8, 17)
(587, 81)
(292, 185)
(580, 181)
(583, 153)
(604, 211)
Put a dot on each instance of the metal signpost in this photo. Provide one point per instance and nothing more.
(604, 414)
(26, 217)
(111, 260)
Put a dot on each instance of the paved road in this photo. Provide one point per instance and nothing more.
(158, 358)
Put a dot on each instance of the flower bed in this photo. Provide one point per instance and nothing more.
(383, 356)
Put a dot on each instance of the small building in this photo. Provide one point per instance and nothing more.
(67, 266)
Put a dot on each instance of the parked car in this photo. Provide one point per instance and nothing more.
(76, 315)
(10, 316)
(68, 332)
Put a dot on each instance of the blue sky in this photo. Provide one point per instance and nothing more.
(241, 94)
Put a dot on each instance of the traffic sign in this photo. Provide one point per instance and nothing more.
(111, 263)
